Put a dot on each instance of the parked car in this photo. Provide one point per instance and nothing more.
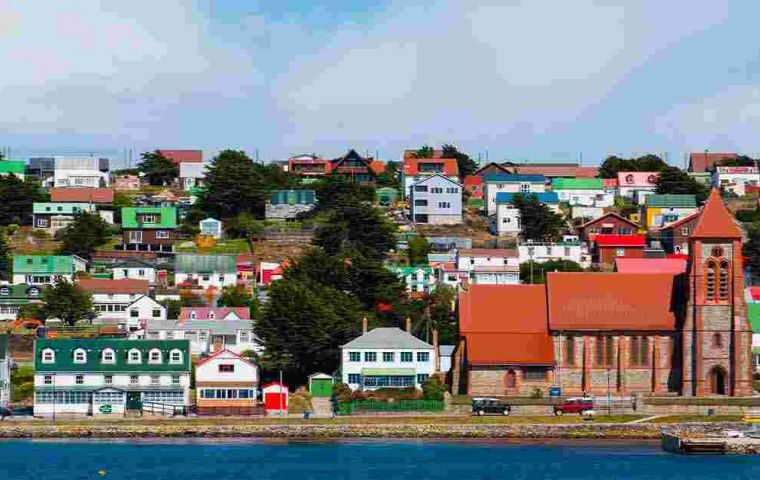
(483, 406)
(579, 405)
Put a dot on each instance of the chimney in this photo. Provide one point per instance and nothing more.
(408, 325)
(364, 325)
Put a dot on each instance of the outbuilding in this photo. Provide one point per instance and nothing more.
(275, 395)
(321, 385)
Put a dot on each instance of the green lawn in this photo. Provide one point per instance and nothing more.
(232, 246)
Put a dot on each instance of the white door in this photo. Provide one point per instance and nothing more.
(135, 236)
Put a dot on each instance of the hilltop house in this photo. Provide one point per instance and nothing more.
(416, 169)
(13, 297)
(488, 266)
(211, 227)
(179, 157)
(149, 228)
(205, 336)
(500, 183)
(309, 166)
(288, 204)
(83, 377)
(436, 200)
(191, 175)
(419, 279)
(584, 192)
(607, 248)
(214, 313)
(135, 269)
(660, 210)
(86, 172)
(5, 371)
(13, 167)
(122, 302)
(100, 199)
(387, 358)
(226, 384)
(736, 180)
(356, 167)
(539, 252)
(608, 224)
(703, 162)
(552, 170)
(51, 217)
(674, 237)
(205, 271)
(637, 185)
(615, 333)
(46, 269)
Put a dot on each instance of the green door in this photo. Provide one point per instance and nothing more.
(133, 401)
(321, 387)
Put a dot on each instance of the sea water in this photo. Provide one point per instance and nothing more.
(215, 459)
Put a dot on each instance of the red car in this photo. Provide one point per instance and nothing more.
(580, 405)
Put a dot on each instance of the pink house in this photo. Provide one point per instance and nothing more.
(214, 313)
(637, 185)
(126, 182)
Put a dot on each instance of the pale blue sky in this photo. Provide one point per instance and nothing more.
(533, 80)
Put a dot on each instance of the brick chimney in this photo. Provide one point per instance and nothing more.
(364, 325)
(408, 325)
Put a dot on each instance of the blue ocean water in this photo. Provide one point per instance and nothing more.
(386, 460)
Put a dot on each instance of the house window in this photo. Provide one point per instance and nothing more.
(108, 356)
(155, 380)
(156, 313)
(525, 187)
(354, 378)
(685, 231)
(354, 357)
(134, 356)
(444, 204)
(388, 356)
(193, 315)
(420, 203)
(79, 379)
(535, 374)
(80, 356)
(423, 356)
(162, 234)
(370, 356)
(47, 380)
(154, 356)
(639, 351)
(108, 379)
(620, 252)
(175, 356)
(134, 313)
(48, 356)
(244, 337)
(175, 379)
(570, 351)
(711, 274)
(420, 188)
(406, 357)
(422, 377)
(226, 368)
(134, 379)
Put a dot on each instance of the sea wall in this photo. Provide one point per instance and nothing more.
(326, 430)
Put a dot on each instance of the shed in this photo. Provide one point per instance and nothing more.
(320, 385)
(211, 227)
(386, 196)
(275, 395)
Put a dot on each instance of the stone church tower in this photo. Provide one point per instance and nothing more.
(717, 339)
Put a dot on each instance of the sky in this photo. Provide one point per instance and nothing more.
(538, 80)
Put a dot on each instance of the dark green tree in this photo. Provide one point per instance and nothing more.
(751, 251)
(234, 297)
(441, 315)
(675, 181)
(35, 311)
(358, 227)
(425, 151)
(539, 223)
(5, 263)
(539, 270)
(16, 199)
(466, 165)
(87, 232)
(157, 169)
(738, 161)
(390, 176)
(335, 191)
(417, 251)
(244, 226)
(173, 308)
(67, 302)
(647, 163)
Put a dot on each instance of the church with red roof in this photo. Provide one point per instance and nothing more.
(650, 331)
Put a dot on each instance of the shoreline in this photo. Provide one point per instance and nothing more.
(306, 431)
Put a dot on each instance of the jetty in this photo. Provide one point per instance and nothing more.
(739, 442)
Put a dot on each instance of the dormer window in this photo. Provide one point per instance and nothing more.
(48, 356)
(80, 356)
(154, 356)
(193, 315)
(134, 356)
(175, 356)
(33, 292)
(211, 316)
(5, 291)
(108, 356)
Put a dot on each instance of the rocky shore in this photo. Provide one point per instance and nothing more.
(336, 431)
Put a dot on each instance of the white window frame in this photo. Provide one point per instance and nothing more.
(108, 356)
(48, 355)
(138, 360)
(172, 354)
(152, 357)
(80, 352)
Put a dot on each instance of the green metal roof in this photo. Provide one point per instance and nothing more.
(64, 355)
(167, 217)
(292, 197)
(577, 184)
(19, 294)
(682, 201)
(409, 270)
(388, 372)
(48, 264)
(189, 263)
(753, 315)
(3, 347)
(62, 208)
(12, 166)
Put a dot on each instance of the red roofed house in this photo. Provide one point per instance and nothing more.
(474, 185)
(309, 165)
(608, 224)
(637, 185)
(183, 156)
(415, 169)
(609, 247)
(703, 162)
(124, 302)
(553, 170)
(673, 266)
(646, 333)
(82, 195)
(674, 237)
(356, 167)
(214, 313)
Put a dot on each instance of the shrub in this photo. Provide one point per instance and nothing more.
(41, 234)
(433, 389)
(11, 229)
(343, 391)
(537, 393)
(299, 403)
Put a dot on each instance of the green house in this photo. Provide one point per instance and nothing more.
(45, 269)
(13, 297)
(416, 279)
(149, 217)
(13, 167)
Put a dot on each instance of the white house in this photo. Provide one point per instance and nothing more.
(489, 266)
(122, 302)
(191, 175)
(736, 179)
(5, 371)
(509, 183)
(226, 384)
(416, 169)
(637, 185)
(507, 218)
(540, 252)
(206, 271)
(211, 227)
(419, 279)
(82, 377)
(87, 172)
(134, 269)
(205, 336)
(436, 200)
(586, 192)
(387, 358)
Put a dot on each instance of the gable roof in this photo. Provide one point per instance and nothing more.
(543, 197)
(702, 162)
(83, 195)
(388, 337)
(64, 355)
(611, 301)
(191, 263)
(488, 252)
(577, 184)
(682, 220)
(167, 217)
(504, 169)
(430, 178)
(221, 352)
(182, 156)
(715, 220)
(610, 214)
(220, 313)
(673, 266)
(671, 200)
(12, 166)
(49, 264)
(495, 335)
(374, 166)
(513, 178)
(449, 165)
(133, 263)
(609, 240)
(125, 285)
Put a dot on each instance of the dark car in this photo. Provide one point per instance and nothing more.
(5, 412)
(484, 406)
(579, 405)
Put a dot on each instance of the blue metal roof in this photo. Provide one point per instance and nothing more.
(506, 178)
(543, 197)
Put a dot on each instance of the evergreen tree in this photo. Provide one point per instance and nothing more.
(417, 251)
(466, 165)
(751, 251)
(358, 227)
(158, 169)
(647, 163)
(234, 297)
(424, 152)
(539, 223)
(335, 191)
(675, 181)
(5, 263)
(540, 269)
(87, 232)
(16, 199)
(67, 302)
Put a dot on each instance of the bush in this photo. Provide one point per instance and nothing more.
(41, 234)
(433, 389)
(343, 391)
(299, 402)
(537, 393)
(11, 229)
(747, 216)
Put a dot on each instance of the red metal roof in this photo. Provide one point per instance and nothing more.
(702, 162)
(219, 352)
(556, 170)
(183, 156)
(102, 285)
(673, 266)
(715, 220)
(204, 313)
(607, 240)
(611, 301)
(488, 252)
(607, 215)
(449, 166)
(472, 180)
(85, 195)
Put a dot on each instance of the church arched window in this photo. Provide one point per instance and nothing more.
(724, 281)
(710, 277)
